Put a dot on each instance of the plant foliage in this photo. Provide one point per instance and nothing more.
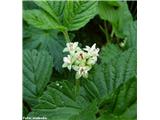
(52, 92)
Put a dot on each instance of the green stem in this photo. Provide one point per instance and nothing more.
(106, 32)
(66, 36)
(112, 33)
(77, 87)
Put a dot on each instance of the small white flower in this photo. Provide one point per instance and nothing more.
(80, 60)
(80, 55)
(92, 51)
(82, 71)
(92, 61)
(71, 47)
(67, 62)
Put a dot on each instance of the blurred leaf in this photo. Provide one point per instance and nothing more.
(121, 20)
(37, 69)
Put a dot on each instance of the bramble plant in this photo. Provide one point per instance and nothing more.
(79, 60)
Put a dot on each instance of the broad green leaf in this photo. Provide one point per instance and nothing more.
(60, 103)
(114, 70)
(88, 113)
(131, 34)
(37, 69)
(54, 8)
(46, 40)
(29, 5)
(119, 17)
(123, 103)
(113, 84)
(109, 52)
(121, 20)
(113, 3)
(41, 19)
(61, 15)
(78, 13)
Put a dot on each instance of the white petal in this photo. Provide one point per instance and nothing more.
(64, 65)
(75, 44)
(76, 68)
(93, 46)
(85, 75)
(65, 59)
(78, 75)
(69, 67)
(65, 49)
(68, 45)
(87, 49)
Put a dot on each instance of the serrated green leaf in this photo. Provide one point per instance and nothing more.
(109, 52)
(88, 113)
(41, 19)
(60, 103)
(46, 40)
(123, 103)
(29, 5)
(37, 69)
(78, 13)
(114, 70)
(131, 34)
(54, 8)
(61, 15)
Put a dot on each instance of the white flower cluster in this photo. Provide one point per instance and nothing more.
(80, 60)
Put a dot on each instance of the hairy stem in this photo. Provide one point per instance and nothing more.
(66, 36)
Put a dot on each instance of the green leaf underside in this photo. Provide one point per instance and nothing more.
(46, 40)
(61, 15)
(37, 69)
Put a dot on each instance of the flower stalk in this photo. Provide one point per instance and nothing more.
(77, 87)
